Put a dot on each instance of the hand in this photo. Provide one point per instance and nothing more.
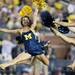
(3, 66)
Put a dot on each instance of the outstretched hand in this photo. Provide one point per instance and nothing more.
(3, 66)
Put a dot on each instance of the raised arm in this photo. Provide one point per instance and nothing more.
(67, 39)
(9, 31)
(35, 19)
(64, 23)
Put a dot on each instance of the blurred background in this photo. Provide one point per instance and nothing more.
(61, 53)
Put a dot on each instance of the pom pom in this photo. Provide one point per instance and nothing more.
(25, 11)
(39, 3)
(47, 19)
(63, 29)
(19, 39)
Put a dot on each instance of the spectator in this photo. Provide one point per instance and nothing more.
(7, 46)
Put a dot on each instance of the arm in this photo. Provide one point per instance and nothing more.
(64, 23)
(9, 31)
(67, 39)
(35, 19)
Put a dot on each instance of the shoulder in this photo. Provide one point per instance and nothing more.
(32, 30)
(19, 31)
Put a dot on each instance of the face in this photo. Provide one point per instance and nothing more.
(25, 21)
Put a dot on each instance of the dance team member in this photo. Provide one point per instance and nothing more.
(48, 21)
(32, 46)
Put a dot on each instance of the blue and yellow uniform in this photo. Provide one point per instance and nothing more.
(32, 46)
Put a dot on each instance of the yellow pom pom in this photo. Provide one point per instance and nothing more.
(26, 10)
(39, 3)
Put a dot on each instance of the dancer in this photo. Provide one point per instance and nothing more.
(67, 39)
(32, 46)
(48, 21)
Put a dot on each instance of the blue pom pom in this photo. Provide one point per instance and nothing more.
(47, 19)
(19, 39)
(63, 29)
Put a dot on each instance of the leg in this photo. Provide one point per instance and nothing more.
(33, 60)
(37, 67)
(43, 58)
(45, 69)
(29, 61)
(20, 57)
